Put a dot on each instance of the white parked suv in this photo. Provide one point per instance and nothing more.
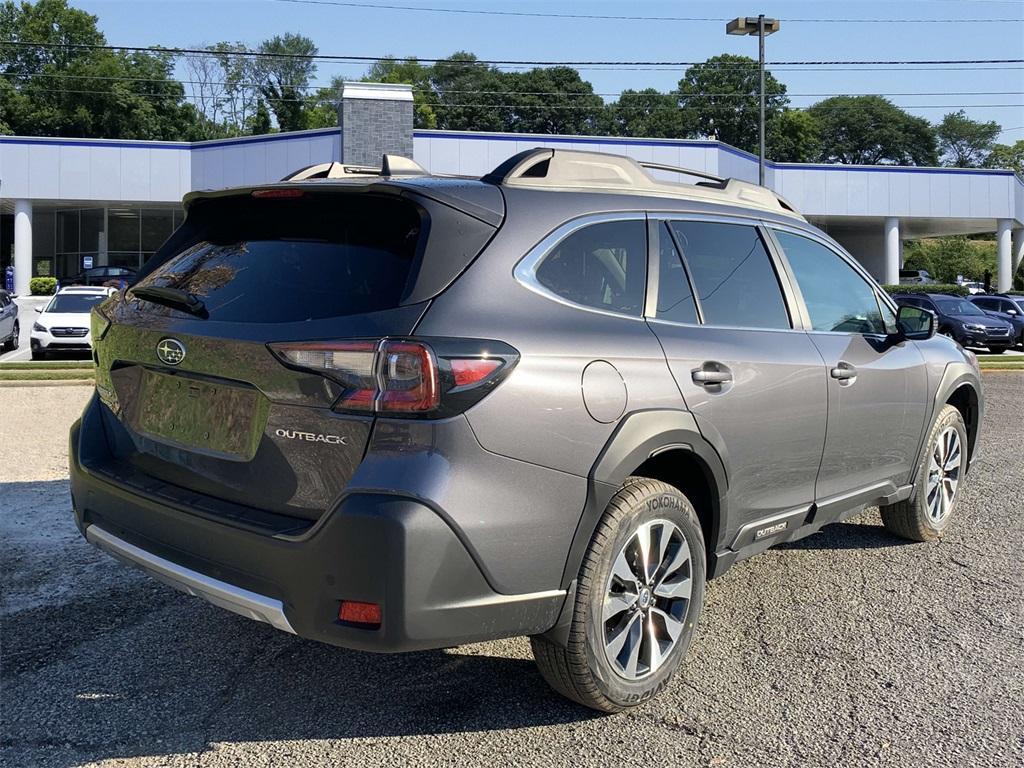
(64, 323)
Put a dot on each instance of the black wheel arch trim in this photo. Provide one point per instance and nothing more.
(639, 436)
(955, 376)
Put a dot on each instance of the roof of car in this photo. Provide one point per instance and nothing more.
(554, 170)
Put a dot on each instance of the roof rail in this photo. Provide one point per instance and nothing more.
(543, 168)
(391, 165)
(678, 169)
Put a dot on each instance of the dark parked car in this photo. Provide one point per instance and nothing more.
(397, 412)
(1009, 309)
(963, 321)
(103, 276)
(10, 329)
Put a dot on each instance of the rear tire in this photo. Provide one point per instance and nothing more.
(997, 350)
(15, 339)
(927, 514)
(629, 634)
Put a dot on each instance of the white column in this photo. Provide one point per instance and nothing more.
(22, 246)
(1017, 248)
(892, 251)
(1004, 280)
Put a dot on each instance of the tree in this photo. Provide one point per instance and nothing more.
(259, 122)
(417, 75)
(647, 113)
(947, 258)
(85, 92)
(720, 100)
(284, 70)
(1007, 156)
(470, 96)
(963, 142)
(241, 93)
(872, 130)
(552, 100)
(207, 88)
(794, 136)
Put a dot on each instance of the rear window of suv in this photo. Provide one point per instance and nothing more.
(287, 260)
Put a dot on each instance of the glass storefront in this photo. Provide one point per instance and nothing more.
(65, 240)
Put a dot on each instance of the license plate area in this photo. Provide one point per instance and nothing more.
(208, 416)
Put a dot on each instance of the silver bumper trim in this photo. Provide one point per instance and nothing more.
(252, 605)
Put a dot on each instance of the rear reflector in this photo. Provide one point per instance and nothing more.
(364, 614)
(473, 371)
(266, 194)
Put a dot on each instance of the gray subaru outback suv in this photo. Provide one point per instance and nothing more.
(391, 411)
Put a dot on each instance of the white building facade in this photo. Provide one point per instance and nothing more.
(67, 203)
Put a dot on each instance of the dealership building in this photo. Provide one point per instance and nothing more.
(69, 203)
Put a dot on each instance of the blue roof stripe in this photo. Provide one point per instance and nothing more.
(707, 143)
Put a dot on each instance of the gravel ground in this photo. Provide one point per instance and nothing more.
(851, 648)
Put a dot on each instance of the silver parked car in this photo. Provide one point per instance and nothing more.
(392, 411)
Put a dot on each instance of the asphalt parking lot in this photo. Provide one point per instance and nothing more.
(851, 648)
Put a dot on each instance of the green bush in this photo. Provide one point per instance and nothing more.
(947, 288)
(43, 286)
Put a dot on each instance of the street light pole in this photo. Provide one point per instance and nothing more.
(760, 69)
(762, 27)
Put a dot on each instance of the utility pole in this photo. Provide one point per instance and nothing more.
(762, 27)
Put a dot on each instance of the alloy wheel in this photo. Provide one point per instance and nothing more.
(646, 599)
(943, 473)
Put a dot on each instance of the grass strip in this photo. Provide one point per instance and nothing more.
(45, 375)
(56, 365)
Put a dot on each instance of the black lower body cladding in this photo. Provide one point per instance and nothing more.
(377, 548)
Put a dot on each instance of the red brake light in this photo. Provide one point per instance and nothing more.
(264, 194)
(366, 614)
(473, 371)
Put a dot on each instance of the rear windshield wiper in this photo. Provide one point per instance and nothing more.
(172, 297)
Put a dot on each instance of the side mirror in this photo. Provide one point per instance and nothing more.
(915, 323)
(39, 310)
(1012, 312)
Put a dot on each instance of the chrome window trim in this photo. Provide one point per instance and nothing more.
(525, 271)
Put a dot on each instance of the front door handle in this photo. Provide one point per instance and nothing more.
(844, 372)
(711, 374)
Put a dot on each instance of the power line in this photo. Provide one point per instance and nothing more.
(521, 62)
(574, 94)
(608, 17)
(492, 105)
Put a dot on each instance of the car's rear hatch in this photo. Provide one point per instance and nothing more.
(198, 404)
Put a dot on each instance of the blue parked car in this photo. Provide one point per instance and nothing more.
(1007, 308)
(962, 321)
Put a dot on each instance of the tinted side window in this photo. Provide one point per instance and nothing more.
(675, 299)
(732, 274)
(602, 266)
(837, 297)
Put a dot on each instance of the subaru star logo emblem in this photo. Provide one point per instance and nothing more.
(170, 351)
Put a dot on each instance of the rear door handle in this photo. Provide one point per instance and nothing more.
(843, 372)
(710, 374)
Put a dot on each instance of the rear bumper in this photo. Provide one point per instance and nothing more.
(373, 547)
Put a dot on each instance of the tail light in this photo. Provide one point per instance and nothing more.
(404, 376)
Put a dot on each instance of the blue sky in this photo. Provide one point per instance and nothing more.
(365, 31)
